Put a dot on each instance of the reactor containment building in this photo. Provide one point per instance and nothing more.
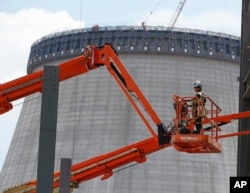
(94, 117)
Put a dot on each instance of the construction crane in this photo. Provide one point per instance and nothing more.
(177, 13)
(180, 134)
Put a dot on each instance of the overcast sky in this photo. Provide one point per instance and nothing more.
(24, 21)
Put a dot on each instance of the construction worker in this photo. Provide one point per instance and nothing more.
(198, 106)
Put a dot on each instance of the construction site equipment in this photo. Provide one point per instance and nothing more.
(180, 134)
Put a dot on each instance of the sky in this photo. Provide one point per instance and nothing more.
(22, 22)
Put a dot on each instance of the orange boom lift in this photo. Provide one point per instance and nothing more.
(179, 134)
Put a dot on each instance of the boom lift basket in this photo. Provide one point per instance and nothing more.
(184, 137)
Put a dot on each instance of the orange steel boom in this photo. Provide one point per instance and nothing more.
(32, 83)
(100, 165)
(92, 58)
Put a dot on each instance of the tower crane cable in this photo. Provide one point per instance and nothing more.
(26, 101)
(76, 118)
(153, 10)
(177, 13)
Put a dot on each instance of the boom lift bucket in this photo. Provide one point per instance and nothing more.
(183, 136)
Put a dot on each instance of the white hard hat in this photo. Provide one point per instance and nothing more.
(197, 83)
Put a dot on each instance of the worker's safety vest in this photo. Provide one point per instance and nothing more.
(201, 99)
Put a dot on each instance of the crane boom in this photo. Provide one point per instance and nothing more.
(177, 13)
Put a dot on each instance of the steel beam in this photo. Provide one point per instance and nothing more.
(48, 122)
(243, 166)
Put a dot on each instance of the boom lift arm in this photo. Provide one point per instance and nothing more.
(102, 165)
(92, 58)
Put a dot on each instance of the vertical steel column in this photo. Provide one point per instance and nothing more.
(47, 137)
(243, 167)
(65, 173)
